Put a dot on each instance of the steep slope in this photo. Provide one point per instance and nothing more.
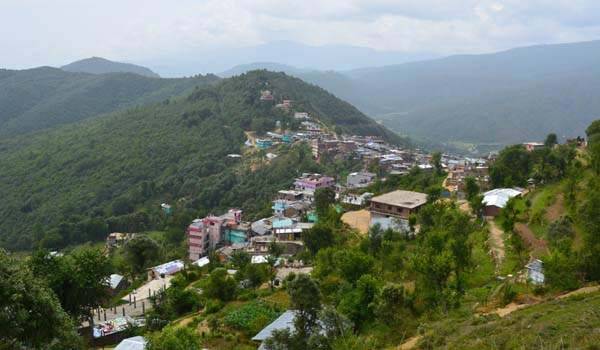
(99, 65)
(39, 98)
(558, 324)
(74, 183)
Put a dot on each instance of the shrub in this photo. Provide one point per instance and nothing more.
(251, 318)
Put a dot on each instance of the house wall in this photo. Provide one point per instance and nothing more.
(491, 210)
(392, 210)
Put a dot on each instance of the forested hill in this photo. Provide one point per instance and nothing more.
(78, 182)
(501, 98)
(99, 65)
(44, 97)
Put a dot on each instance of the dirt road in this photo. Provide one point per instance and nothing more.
(496, 243)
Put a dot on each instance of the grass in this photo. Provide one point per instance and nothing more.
(541, 200)
(559, 324)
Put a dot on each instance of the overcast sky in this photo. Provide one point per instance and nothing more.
(55, 32)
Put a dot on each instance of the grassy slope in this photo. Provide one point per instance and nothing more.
(558, 324)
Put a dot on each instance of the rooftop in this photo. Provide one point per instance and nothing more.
(499, 197)
(285, 321)
(133, 343)
(400, 198)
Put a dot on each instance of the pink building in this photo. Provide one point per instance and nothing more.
(205, 234)
(312, 182)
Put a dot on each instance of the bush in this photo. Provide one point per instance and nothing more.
(251, 318)
(212, 306)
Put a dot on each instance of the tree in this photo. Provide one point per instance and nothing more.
(436, 162)
(591, 224)
(305, 298)
(79, 279)
(324, 198)
(434, 193)
(560, 229)
(511, 168)
(477, 205)
(594, 151)
(31, 316)
(358, 304)
(220, 286)
(375, 237)
(551, 140)
(593, 130)
(471, 188)
(140, 253)
(352, 264)
(561, 267)
(255, 275)
(318, 237)
(392, 304)
(240, 259)
(174, 338)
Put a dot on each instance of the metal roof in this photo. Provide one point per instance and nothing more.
(133, 343)
(285, 321)
(499, 197)
(115, 279)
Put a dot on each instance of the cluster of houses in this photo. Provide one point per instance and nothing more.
(292, 214)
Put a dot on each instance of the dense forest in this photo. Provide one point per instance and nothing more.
(44, 97)
(78, 182)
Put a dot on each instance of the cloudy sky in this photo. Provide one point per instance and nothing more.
(43, 32)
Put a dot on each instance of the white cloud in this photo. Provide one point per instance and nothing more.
(36, 32)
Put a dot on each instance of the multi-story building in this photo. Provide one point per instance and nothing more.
(392, 210)
(205, 234)
(311, 182)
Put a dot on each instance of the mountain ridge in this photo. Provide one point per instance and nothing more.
(99, 65)
(44, 97)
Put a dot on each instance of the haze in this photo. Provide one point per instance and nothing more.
(194, 36)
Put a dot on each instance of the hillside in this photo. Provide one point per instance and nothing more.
(99, 65)
(44, 97)
(559, 324)
(500, 98)
(113, 168)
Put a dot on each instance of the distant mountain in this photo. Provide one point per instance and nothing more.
(44, 97)
(79, 181)
(270, 66)
(99, 65)
(507, 97)
(305, 57)
(501, 98)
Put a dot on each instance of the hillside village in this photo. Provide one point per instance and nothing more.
(278, 241)
(367, 237)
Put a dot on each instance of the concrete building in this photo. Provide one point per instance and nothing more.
(359, 179)
(311, 182)
(392, 210)
(207, 233)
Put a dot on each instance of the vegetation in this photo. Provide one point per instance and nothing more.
(31, 316)
(76, 183)
(515, 166)
(41, 98)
